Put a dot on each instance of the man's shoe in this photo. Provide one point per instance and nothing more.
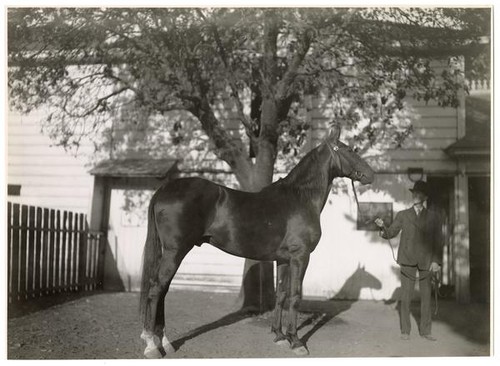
(405, 337)
(429, 337)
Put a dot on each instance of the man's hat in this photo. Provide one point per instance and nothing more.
(420, 186)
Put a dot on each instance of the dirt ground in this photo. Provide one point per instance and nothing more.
(204, 325)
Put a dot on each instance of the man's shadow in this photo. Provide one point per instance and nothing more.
(324, 311)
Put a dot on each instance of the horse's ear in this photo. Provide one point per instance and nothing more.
(334, 133)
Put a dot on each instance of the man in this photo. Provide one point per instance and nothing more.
(420, 249)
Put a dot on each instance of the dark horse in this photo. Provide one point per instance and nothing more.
(280, 223)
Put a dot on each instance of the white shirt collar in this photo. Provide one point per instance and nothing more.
(417, 211)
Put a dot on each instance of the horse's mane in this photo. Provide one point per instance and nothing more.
(307, 178)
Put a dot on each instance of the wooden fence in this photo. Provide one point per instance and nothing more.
(50, 251)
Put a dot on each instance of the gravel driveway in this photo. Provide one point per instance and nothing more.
(204, 325)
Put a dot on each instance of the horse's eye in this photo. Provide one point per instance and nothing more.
(356, 150)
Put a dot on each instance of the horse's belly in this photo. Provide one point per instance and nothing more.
(259, 242)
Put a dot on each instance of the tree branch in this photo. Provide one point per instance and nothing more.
(99, 103)
(247, 122)
(226, 148)
(298, 58)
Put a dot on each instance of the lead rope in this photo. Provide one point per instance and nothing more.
(435, 276)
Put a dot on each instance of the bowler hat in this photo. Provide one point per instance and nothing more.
(420, 186)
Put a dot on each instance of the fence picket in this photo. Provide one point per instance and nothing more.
(23, 253)
(96, 258)
(79, 253)
(30, 253)
(16, 253)
(45, 257)
(9, 248)
(63, 258)
(57, 253)
(37, 278)
(71, 251)
(52, 253)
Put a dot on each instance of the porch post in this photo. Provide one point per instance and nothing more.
(461, 237)
(99, 219)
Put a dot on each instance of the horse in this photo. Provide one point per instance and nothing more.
(280, 223)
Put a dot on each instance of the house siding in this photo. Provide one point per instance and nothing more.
(48, 176)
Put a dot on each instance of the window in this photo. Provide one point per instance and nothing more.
(369, 211)
(13, 189)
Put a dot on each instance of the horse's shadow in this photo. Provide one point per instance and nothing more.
(322, 311)
(222, 322)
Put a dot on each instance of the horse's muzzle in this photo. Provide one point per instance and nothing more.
(364, 178)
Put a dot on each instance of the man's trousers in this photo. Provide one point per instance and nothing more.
(408, 278)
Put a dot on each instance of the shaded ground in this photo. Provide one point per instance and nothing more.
(204, 325)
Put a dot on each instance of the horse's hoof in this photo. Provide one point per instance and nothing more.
(168, 348)
(152, 353)
(300, 351)
(282, 342)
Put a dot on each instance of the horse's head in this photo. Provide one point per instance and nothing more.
(359, 280)
(365, 279)
(348, 163)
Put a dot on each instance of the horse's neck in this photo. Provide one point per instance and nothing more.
(351, 288)
(312, 177)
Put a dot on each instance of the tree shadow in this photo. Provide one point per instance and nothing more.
(471, 321)
(325, 311)
(222, 322)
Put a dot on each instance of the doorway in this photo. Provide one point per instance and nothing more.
(441, 190)
(479, 238)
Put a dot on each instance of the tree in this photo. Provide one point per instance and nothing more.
(257, 66)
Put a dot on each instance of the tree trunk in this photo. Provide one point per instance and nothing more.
(257, 289)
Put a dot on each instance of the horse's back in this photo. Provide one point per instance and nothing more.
(252, 225)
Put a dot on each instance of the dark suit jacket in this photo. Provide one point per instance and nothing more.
(421, 240)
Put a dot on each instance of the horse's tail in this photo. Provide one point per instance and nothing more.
(150, 258)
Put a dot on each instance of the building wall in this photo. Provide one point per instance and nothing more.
(49, 177)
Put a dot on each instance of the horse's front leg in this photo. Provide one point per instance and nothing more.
(282, 288)
(298, 266)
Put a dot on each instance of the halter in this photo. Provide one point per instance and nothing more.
(334, 150)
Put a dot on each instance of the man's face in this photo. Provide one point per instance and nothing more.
(418, 197)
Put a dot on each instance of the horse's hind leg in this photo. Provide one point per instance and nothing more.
(154, 321)
(282, 289)
(298, 265)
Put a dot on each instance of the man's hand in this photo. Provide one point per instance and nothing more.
(379, 222)
(434, 267)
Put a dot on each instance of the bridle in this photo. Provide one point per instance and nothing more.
(334, 150)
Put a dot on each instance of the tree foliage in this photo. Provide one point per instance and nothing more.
(221, 64)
